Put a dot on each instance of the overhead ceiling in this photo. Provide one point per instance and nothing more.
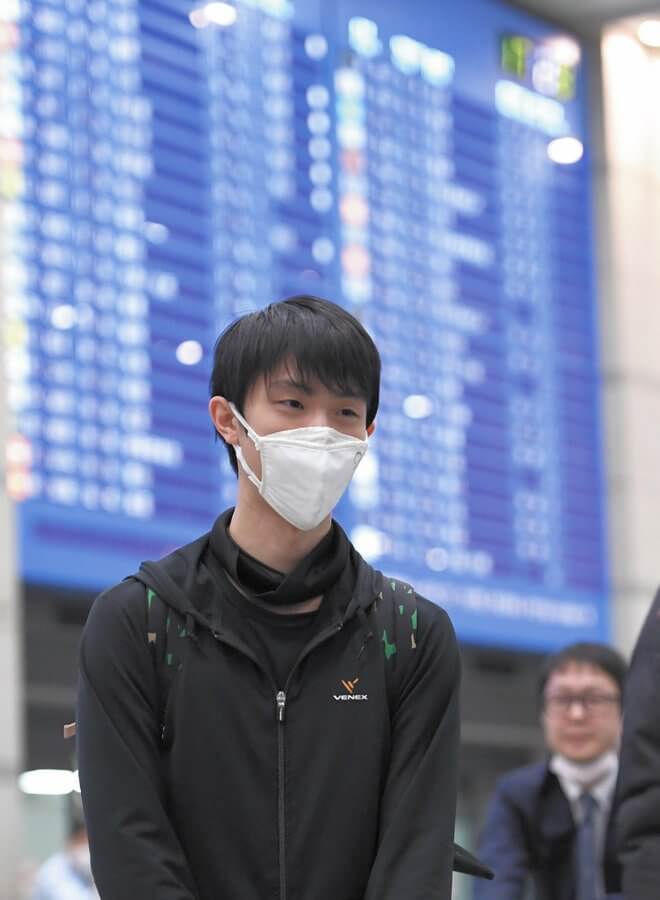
(589, 15)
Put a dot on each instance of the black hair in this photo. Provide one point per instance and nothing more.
(321, 339)
(601, 656)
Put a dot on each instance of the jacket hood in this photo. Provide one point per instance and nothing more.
(184, 581)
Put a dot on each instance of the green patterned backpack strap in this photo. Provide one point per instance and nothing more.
(396, 617)
(156, 626)
(165, 635)
(171, 629)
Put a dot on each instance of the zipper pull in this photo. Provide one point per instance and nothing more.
(281, 702)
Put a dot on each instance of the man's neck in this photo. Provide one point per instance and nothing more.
(266, 536)
(586, 775)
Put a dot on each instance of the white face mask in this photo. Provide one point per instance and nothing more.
(304, 471)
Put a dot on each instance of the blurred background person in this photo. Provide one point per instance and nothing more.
(548, 821)
(636, 813)
(67, 875)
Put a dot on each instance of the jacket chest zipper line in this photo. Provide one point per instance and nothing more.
(280, 700)
(281, 798)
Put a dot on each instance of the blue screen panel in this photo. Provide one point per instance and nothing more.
(169, 166)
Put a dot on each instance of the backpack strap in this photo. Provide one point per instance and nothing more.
(165, 635)
(396, 618)
(157, 626)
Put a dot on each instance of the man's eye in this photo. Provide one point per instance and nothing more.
(348, 412)
(293, 404)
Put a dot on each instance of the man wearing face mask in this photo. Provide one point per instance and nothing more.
(306, 747)
(549, 822)
(67, 875)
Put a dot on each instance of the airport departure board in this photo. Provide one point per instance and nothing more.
(166, 166)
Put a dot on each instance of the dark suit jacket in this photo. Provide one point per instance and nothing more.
(529, 835)
(636, 811)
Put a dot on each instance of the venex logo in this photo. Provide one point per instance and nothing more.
(351, 695)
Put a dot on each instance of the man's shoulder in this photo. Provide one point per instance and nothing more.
(123, 598)
(179, 564)
(431, 612)
(413, 619)
(417, 633)
(402, 596)
(525, 780)
(523, 790)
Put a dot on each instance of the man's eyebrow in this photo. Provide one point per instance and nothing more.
(291, 383)
(307, 389)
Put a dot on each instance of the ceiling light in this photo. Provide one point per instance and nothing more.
(220, 14)
(418, 406)
(189, 353)
(51, 782)
(565, 150)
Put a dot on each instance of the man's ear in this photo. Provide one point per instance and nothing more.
(371, 429)
(224, 420)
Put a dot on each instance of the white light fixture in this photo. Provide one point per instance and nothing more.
(418, 406)
(189, 353)
(47, 782)
(565, 150)
(222, 14)
(649, 32)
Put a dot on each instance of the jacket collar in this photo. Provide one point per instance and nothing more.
(555, 819)
(187, 582)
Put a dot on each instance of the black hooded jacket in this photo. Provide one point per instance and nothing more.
(255, 794)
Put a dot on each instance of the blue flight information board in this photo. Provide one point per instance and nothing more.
(167, 166)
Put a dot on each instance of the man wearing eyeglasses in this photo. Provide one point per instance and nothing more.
(548, 823)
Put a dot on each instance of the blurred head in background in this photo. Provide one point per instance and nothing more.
(581, 690)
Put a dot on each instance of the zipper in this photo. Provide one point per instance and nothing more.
(280, 703)
(280, 699)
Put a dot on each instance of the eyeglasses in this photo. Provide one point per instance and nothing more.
(590, 703)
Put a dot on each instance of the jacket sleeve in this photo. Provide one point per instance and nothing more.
(503, 847)
(637, 799)
(418, 809)
(135, 850)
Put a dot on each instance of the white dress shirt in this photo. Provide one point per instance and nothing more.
(598, 778)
